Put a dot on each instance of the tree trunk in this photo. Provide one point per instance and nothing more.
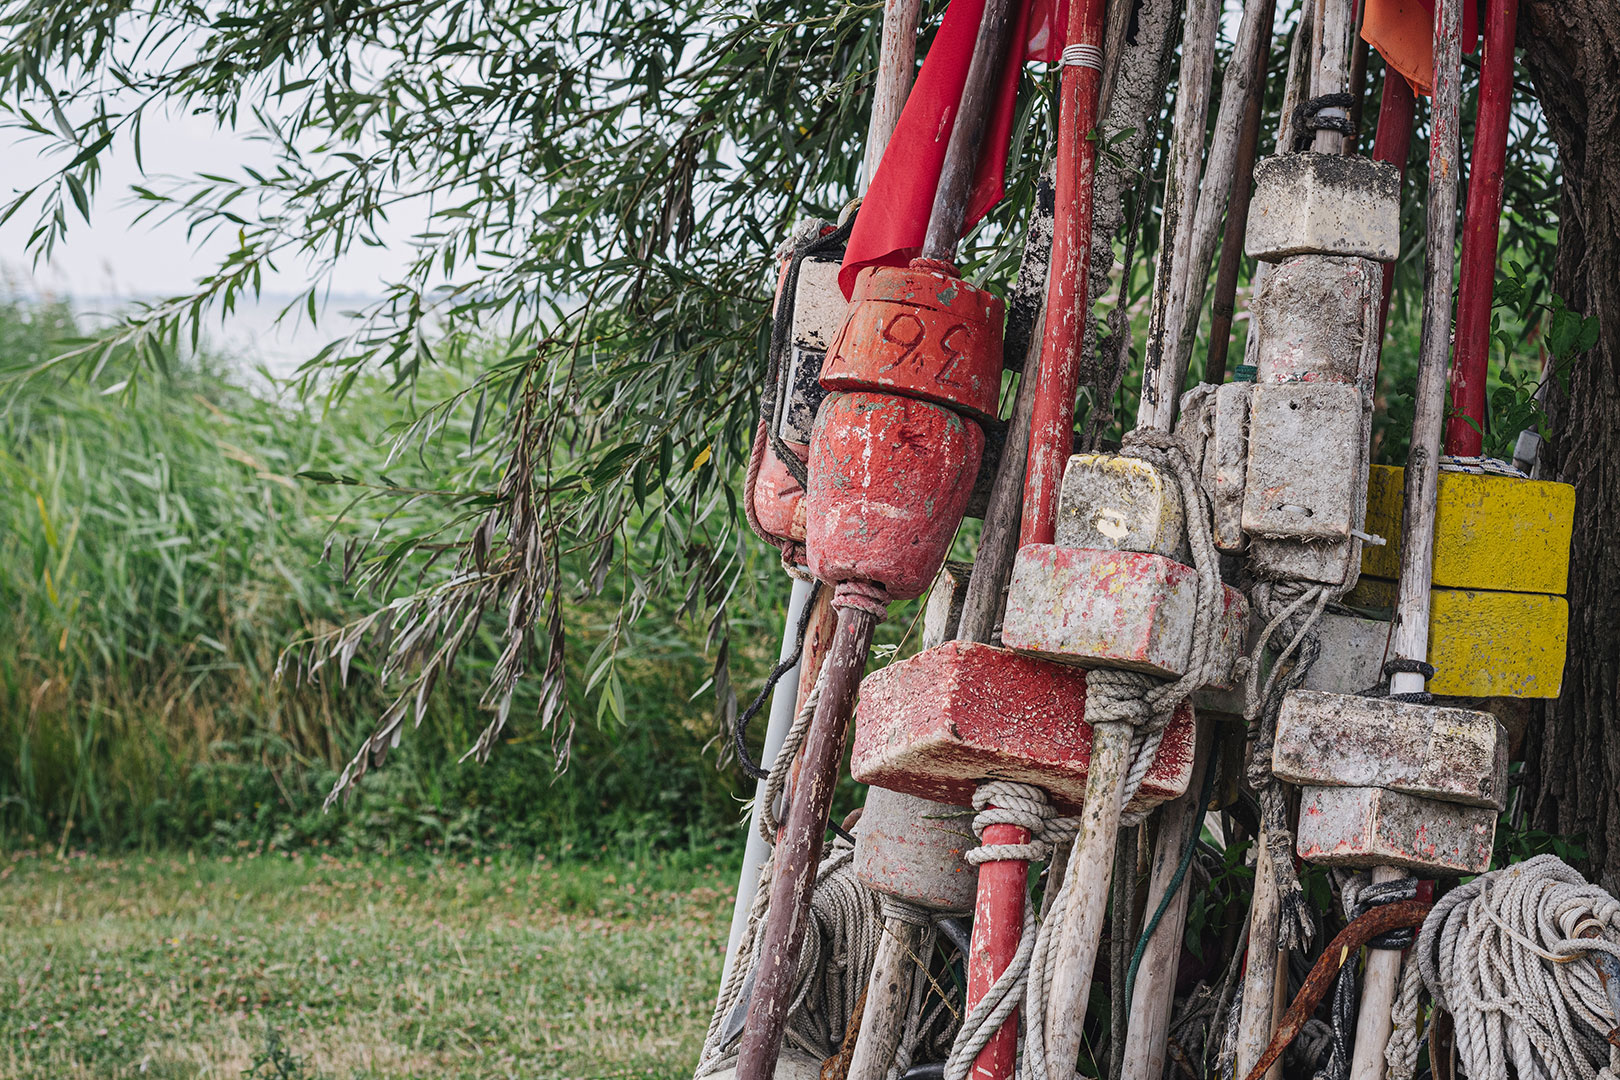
(1572, 55)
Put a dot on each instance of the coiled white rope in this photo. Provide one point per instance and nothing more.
(1511, 956)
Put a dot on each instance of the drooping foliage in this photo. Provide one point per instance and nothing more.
(601, 188)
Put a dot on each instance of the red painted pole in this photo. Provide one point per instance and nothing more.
(1481, 225)
(998, 925)
(1392, 143)
(1051, 430)
(998, 920)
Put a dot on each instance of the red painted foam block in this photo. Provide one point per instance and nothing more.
(779, 500)
(937, 724)
(1369, 826)
(919, 332)
(890, 479)
(1117, 609)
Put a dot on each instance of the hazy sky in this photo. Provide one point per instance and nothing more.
(114, 255)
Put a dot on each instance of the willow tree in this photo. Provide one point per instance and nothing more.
(604, 187)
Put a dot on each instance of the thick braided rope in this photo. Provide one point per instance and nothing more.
(1510, 956)
(1004, 802)
(776, 782)
(1130, 697)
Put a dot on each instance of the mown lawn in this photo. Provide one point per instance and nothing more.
(174, 966)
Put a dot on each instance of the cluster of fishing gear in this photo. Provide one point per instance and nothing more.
(1230, 632)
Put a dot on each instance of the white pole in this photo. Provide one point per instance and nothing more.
(776, 729)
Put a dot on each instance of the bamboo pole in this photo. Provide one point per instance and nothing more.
(1410, 638)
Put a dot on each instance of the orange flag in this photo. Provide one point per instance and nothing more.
(1403, 33)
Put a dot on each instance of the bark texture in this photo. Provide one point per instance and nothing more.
(1572, 57)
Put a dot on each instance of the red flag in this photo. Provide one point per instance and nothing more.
(893, 218)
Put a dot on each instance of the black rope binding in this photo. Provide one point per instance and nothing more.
(1308, 119)
(1346, 990)
(1411, 667)
(750, 766)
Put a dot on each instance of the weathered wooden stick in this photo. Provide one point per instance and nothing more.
(798, 850)
(1410, 639)
(897, 62)
(1153, 997)
(1259, 1017)
(1092, 863)
(1161, 382)
(1336, 20)
(962, 152)
(888, 1000)
(1237, 214)
(1294, 90)
(1224, 171)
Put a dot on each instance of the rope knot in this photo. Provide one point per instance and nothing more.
(1008, 802)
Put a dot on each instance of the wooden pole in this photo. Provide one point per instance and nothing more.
(1410, 639)
(1162, 374)
(962, 152)
(888, 1000)
(897, 62)
(1295, 90)
(1332, 71)
(798, 850)
(1153, 997)
(1225, 171)
(1222, 307)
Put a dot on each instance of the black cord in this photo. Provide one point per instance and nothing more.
(1411, 667)
(1308, 119)
(750, 766)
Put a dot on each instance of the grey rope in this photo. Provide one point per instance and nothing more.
(1006, 802)
(1511, 955)
(776, 781)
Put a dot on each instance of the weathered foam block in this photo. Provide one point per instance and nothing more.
(1317, 317)
(1329, 562)
(1495, 533)
(1115, 503)
(1341, 740)
(819, 309)
(1482, 644)
(943, 612)
(938, 723)
(1369, 826)
(1324, 204)
(911, 848)
(920, 333)
(1226, 463)
(1118, 609)
(889, 482)
(1303, 478)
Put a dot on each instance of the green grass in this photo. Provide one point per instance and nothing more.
(175, 966)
